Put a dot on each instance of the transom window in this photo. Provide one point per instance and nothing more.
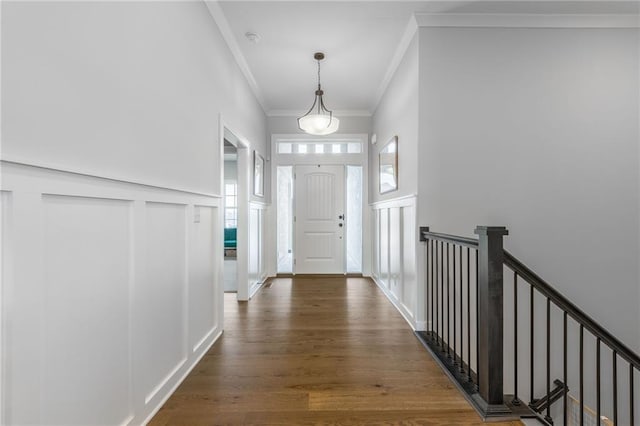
(311, 147)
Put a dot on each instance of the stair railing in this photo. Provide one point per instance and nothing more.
(467, 313)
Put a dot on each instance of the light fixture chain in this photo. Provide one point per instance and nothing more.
(320, 96)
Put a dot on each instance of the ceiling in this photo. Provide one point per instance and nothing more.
(359, 38)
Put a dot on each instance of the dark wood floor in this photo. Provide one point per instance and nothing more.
(316, 351)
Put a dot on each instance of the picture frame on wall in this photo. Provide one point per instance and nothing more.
(388, 175)
(258, 174)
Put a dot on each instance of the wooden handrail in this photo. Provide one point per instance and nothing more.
(572, 310)
(463, 241)
(547, 290)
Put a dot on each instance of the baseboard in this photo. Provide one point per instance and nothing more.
(179, 382)
(291, 275)
(254, 289)
(395, 303)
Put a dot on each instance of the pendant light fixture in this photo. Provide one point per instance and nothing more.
(318, 120)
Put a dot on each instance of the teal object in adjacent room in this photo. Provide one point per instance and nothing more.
(230, 237)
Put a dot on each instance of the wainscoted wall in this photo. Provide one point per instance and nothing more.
(395, 243)
(257, 265)
(111, 292)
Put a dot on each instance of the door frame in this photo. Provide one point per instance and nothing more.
(345, 159)
(242, 237)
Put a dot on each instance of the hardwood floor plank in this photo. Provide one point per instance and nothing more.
(316, 351)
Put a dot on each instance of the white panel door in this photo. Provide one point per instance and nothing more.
(319, 224)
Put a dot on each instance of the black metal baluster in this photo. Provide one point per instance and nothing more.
(581, 375)
(448, 308)
(433, 267)
(532, 362)
(477, 328)
(427, 276)
(442, 295)
(515, 401)
(454, 302)
(428, 289)
(598, 399)
(548, 416)
(564, 373)
(461, 316)
(631, 397)
(437, 299)
(615, 388)
(469, 314)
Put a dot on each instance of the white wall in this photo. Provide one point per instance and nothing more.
(123, 89)
(537, 130)
(394, 233)
(111, 290)
(397, 115)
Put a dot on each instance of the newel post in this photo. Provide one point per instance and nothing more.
(421, 290)
(490, 317)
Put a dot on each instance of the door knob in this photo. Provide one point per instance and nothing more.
(341, 217)
(340, 225)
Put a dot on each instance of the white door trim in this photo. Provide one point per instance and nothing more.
(345, 159)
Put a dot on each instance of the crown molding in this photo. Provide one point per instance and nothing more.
(337, 113)
(405, 41)
(529, 20)
(225, 29)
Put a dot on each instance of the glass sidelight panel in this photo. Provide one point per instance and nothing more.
(354, 219)
(285, 219)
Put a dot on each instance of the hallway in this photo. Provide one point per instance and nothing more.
(316, 351)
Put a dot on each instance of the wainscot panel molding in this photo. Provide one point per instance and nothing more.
(405, 200)
(7, 160)
(395, 244)
(257, 265)
(111, 293)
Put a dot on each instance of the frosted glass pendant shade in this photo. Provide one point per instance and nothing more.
(318, 121)
(318, 124)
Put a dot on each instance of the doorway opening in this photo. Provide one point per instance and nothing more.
(235, 191)
(230, 217)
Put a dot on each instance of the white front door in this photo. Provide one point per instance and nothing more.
(319, 225)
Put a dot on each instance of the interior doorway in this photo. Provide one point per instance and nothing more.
(235, 219)
(230, 217)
